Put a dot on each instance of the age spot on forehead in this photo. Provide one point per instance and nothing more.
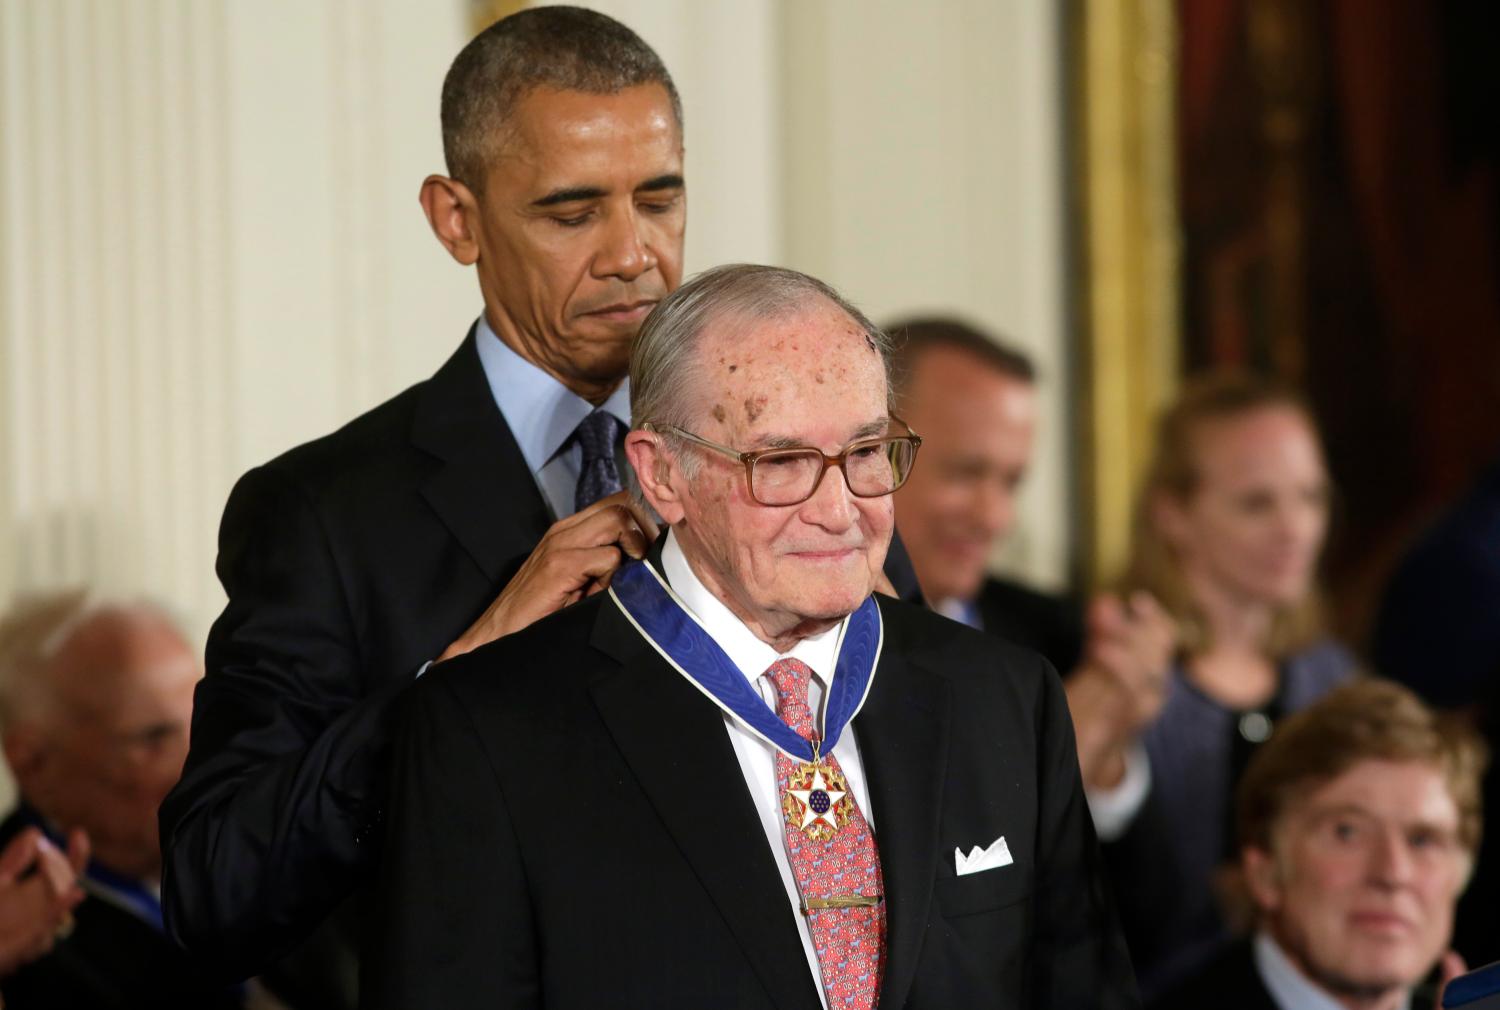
(719, 412)
(818, 378)
(754, 407)
(733, 367)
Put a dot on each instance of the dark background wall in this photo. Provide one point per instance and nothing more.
(1341, 223)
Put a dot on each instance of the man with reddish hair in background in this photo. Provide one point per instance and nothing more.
(1358, 825)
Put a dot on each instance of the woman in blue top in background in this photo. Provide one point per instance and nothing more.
(1229, 528)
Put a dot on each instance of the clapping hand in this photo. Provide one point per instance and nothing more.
(1121, 684)
(38, 892)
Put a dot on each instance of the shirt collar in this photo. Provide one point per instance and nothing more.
(962, 611)
(1289, 988)
(745, 651)
(540, 411)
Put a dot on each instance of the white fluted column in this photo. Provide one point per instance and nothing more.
(924, 171)
(210, 250)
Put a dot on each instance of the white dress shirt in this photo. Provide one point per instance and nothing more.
(757, 758)
(542, 414)
(1114, 809)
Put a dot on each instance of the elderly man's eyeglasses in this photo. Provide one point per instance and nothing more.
(872, 466)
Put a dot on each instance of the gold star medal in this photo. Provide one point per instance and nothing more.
(817, 800)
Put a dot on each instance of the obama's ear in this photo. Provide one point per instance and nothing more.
(453, 213)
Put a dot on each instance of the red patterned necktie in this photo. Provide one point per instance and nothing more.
(850, 941)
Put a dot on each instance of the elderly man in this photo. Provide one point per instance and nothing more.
(95, 698)
(738, 780)
(1358, 826)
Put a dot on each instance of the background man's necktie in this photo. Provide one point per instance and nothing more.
(598, 477)
(850, 941)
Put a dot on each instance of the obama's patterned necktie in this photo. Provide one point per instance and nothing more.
(598, 477)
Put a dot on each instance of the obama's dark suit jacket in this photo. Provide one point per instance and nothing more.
(570, 828)
(349, 562)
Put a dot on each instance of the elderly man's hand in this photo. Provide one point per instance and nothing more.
(38, 892)
(575, 559)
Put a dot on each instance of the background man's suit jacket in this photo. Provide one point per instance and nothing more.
(1052, 625)
(1231, 981)
(349, 562)
(577, 833)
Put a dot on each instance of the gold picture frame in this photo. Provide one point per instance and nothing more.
(1129, 252)
(483, 13)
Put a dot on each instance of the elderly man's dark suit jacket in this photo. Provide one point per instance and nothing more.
(577, 833)
(349, 563)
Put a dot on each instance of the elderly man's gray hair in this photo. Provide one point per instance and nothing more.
(37, 627)
(663, 364)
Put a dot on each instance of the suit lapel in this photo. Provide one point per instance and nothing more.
(674, 741)
(484, 493)
(903, 744)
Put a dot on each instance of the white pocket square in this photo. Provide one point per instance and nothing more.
(992, 858)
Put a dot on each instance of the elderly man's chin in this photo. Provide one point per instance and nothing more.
(831, 585)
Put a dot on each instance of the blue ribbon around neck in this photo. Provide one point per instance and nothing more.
(664, 621)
